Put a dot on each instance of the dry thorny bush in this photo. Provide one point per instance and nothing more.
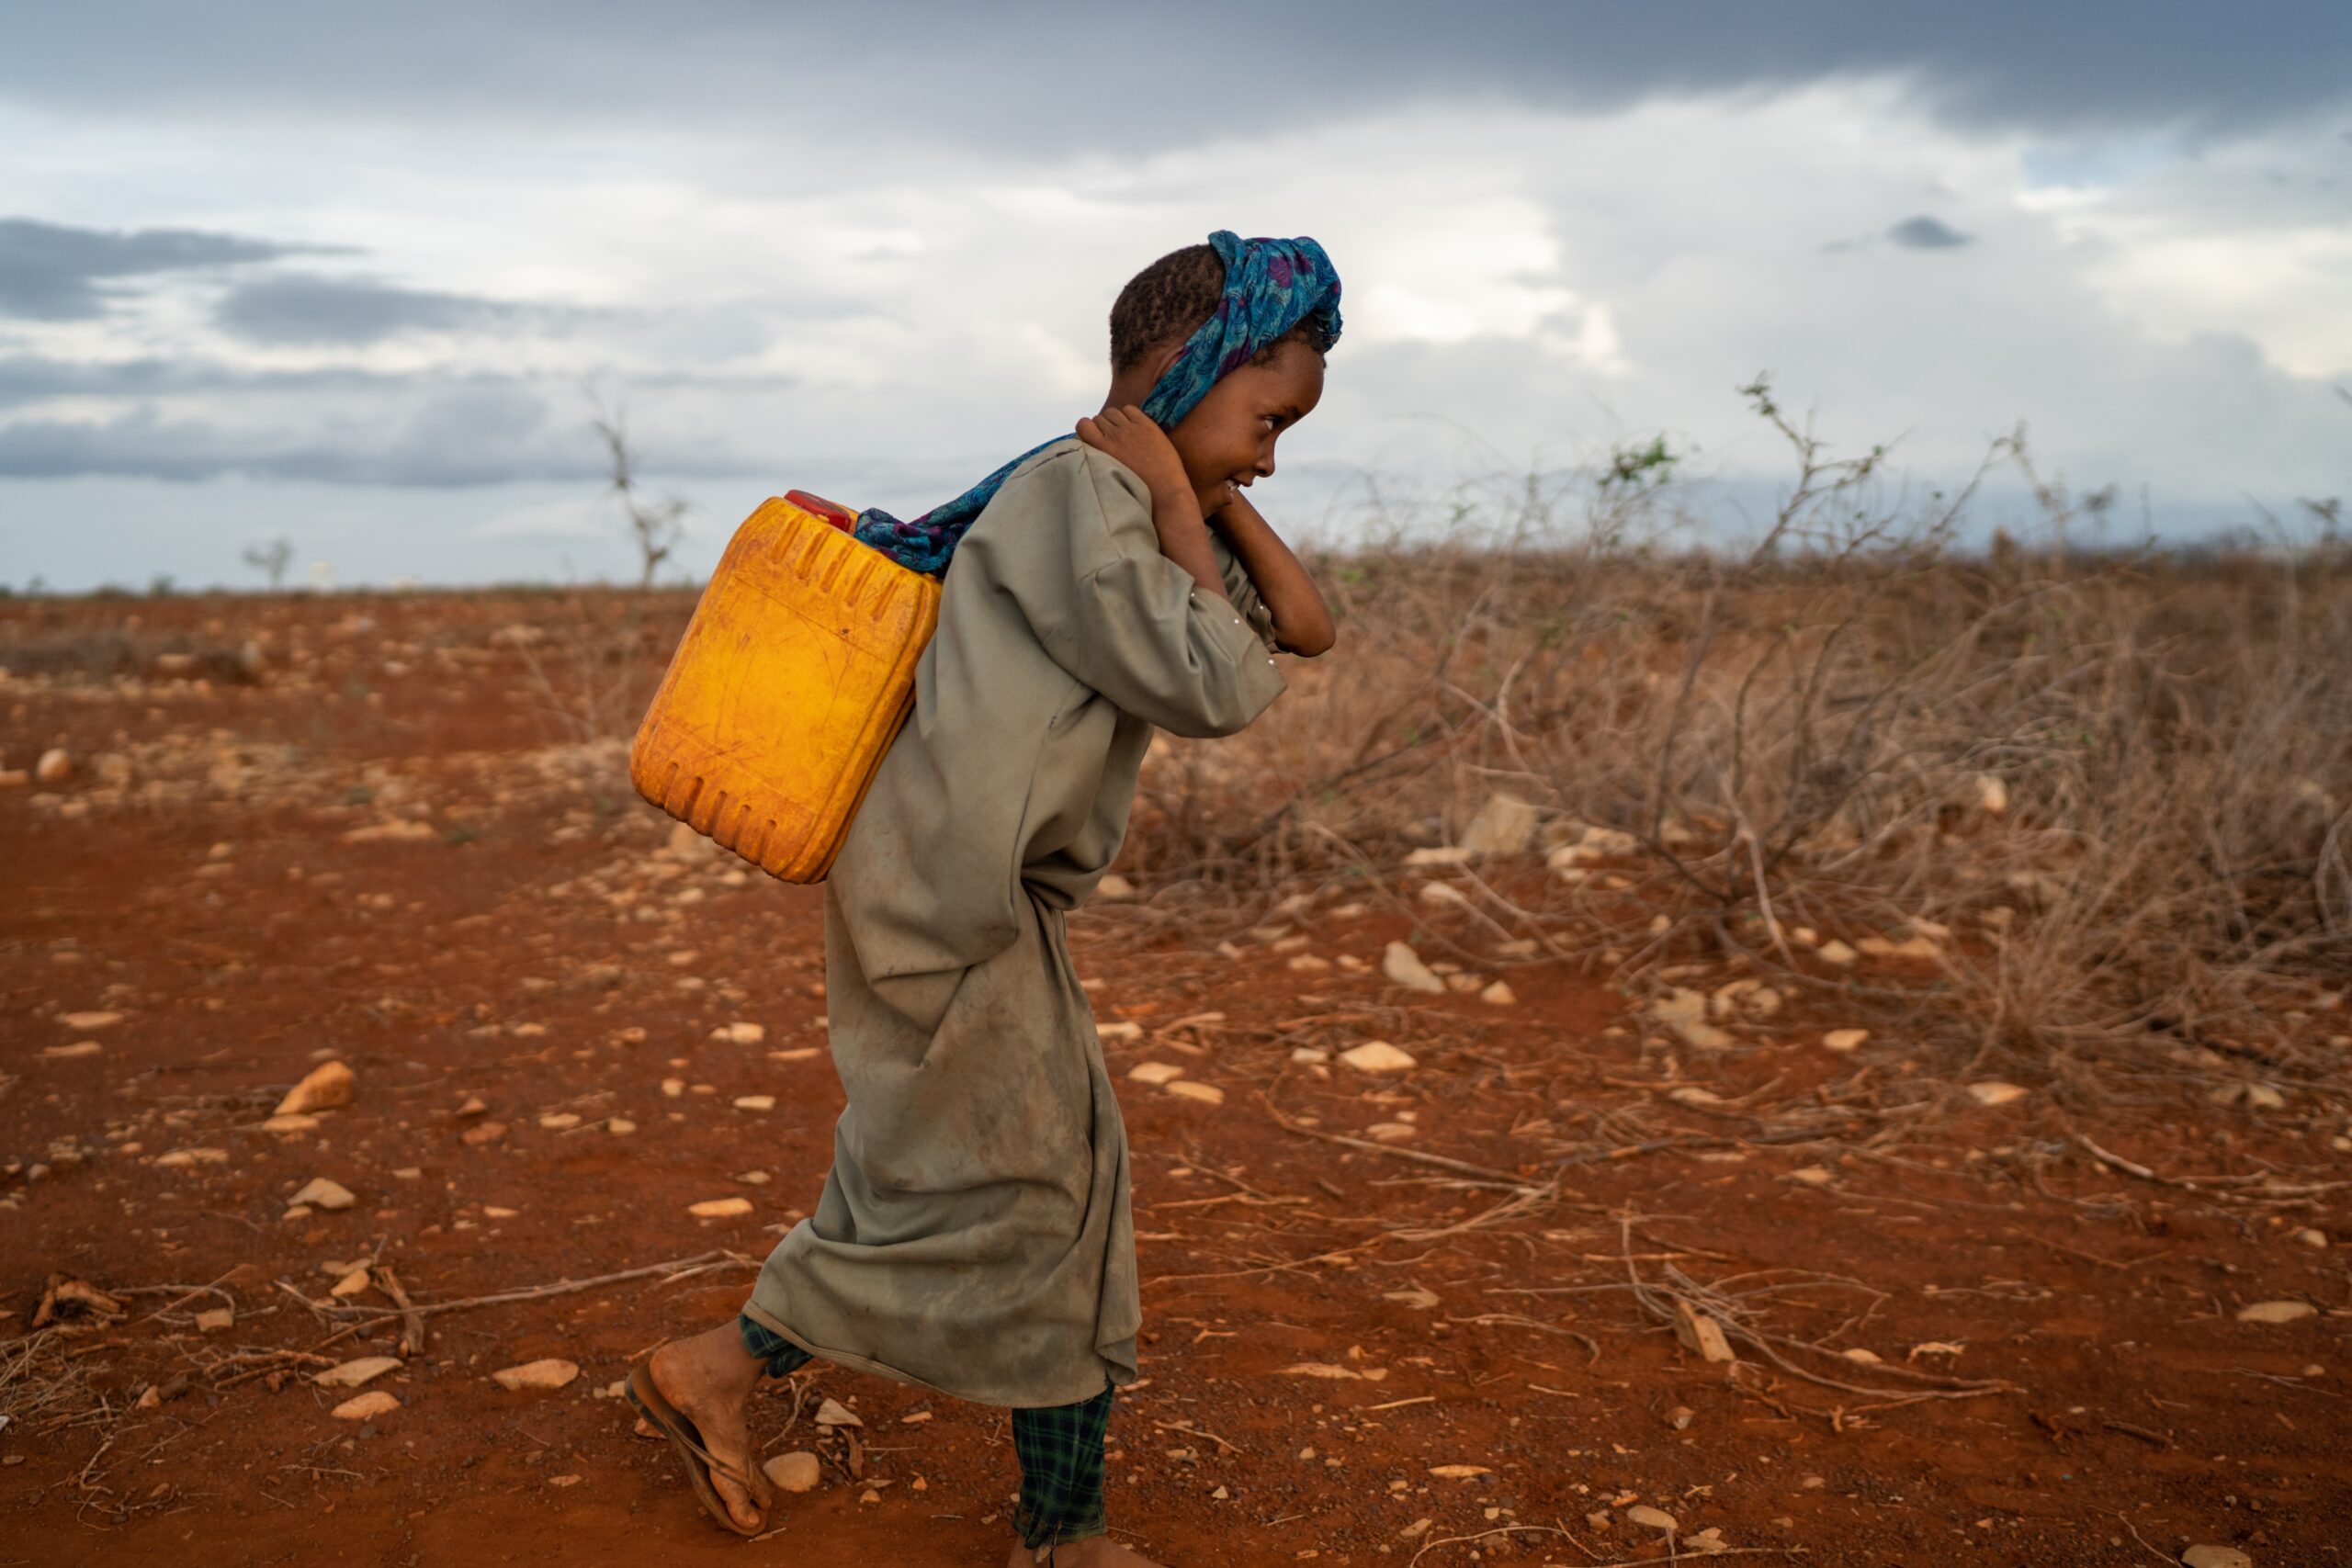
(2111, 789)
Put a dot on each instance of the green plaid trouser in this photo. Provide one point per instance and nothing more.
(1060, 1448)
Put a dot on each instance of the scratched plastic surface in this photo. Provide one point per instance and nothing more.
(788, 686)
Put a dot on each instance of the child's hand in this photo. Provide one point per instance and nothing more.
(1130, 435)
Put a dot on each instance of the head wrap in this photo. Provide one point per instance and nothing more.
(1271, 285)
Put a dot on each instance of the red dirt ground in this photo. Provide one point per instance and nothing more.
(532, 943)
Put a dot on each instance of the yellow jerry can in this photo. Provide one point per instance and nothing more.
(788, 686)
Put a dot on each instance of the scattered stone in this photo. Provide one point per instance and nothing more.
(1680, 1417)
(740, 1033)
(1309, 1056)
(1418, 1297)
(755, 1102)
(1404, 967)
(352, 1373)
(2311, 1237)
(1377, 1057)
(484, 1133)
(84, 1022)
(351, 1284)
(2276, 1312)
(560, 1121)
(405, 831)
(1154, 1073)
(1685, 1013)
(2204, 1556)
(474, 1106)
(1504, 826)
(1207, 1093)
(1441, 854)
(1844, 1039)
(1499, 995)
(65, 1053)
(323, 1087)
(1118, 1032)
(688, 847)
(1836, 951)
(1652, 1518)
(1992, 793)
(619, 1127)
(551, 1373)
(366, 1406)
(794, 1471)
(834, 1413)
(1691, 1094)
(293, 1124)
(1861, 1356)
(1392, 1132)
(1813, 1176)
(719, 1208)
(55, 764)
(1700, 1335)
(1994, 1092)
(1455, 1471)
(324, 1194)
(1113, 887)
(1306, 962)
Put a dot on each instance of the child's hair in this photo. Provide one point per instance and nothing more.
(1167, 302)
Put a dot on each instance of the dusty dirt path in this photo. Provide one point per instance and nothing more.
(415, 883)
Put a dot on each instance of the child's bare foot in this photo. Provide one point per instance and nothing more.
(709, 1379)
(1097, 1552)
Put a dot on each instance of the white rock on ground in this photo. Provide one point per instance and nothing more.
(794, 1471)
(1499, 995)
(1111, 889)
(1154, 1073)
(550, 1372)
(54, 765)
(1504, 826)
(1994, 1092)
(366, 1406)
(719, 1208)
(1685, 1013)
(1653, 1518)
(1208, 1094)
(322, 1193)
(1377, 1057)
(323, 1087)
(1404, 967)
(2276, 1312)
(2206, 1556)
(834, 1413)
(1844, 1039)
(352, 1373)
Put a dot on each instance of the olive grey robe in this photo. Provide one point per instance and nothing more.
(974, 1233)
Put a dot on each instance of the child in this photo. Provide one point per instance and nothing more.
(974, 1234)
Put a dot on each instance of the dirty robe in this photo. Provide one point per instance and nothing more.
(974, 1234)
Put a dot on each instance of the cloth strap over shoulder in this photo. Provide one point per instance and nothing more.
(1271, 285)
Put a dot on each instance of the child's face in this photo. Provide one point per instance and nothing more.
(1228, 441)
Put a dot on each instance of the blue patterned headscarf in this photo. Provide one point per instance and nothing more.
(1271, 285)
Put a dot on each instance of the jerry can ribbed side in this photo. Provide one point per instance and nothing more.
(788, 686)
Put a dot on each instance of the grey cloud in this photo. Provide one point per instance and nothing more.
(1927, 234)
(464, 436)
(302, 309)
(1021, 74)
(53, 272)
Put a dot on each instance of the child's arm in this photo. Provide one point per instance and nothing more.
(1302, 620)
(1130, 435)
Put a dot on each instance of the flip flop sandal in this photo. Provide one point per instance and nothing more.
(686, 1437)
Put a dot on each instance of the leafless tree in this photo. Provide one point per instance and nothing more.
(273, 557)
(654, 527)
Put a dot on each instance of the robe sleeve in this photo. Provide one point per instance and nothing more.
(1136, 629)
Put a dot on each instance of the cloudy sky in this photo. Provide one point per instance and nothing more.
(356, 277)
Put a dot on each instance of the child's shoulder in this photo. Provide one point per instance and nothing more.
(1092, 499)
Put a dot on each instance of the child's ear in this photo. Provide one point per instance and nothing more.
(1167, 358)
